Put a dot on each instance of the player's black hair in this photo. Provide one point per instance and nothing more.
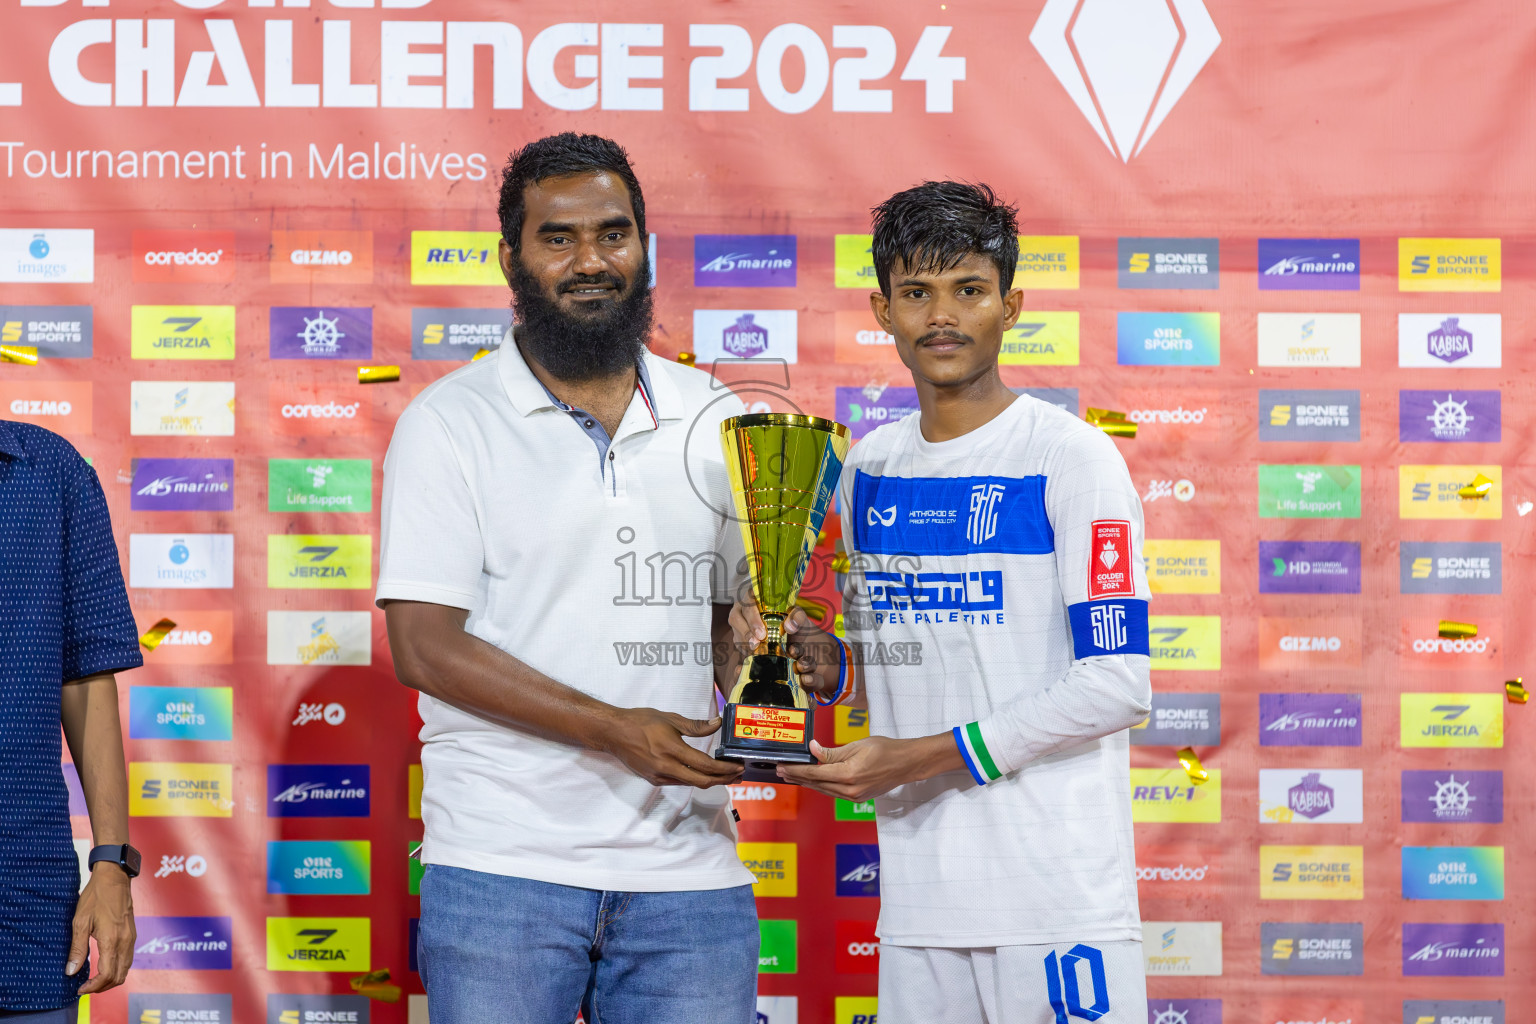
(556, 156)
(933, 226)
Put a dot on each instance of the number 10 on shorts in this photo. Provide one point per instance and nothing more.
(1066, 994)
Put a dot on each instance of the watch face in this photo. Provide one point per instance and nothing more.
(131, 861)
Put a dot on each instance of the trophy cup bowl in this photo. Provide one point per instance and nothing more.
(783, 469)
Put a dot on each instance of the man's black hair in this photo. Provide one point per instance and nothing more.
(933, 226)
(556, 156)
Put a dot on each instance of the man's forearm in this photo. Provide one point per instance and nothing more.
(88, 711)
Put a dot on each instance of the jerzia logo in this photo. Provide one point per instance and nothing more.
(1130, 61)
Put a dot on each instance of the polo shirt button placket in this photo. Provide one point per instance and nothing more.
(613, 473)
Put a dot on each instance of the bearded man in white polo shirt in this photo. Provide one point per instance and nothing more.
(580, 847)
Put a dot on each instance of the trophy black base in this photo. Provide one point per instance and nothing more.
(762, 738)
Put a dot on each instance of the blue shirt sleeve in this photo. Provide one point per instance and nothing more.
(99, 632)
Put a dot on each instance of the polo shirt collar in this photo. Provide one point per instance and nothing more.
(10, 442)
(528, 394)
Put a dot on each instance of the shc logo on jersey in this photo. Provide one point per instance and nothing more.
(917, 516)
(982, 525)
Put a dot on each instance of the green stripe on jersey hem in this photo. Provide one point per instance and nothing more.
(979, 747)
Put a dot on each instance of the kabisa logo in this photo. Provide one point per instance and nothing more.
(166, 1008)
(322, 257)
(1453, 872)
(456, 258)
(1324, 796)
(1453, 1011)
(1309, 264)
(1170, 263)
(457, 334)
(1041, 339)
(320, 561)
(1310, 798)
(314, 332)
(183, 332)
(158, 789)
(1162, 795)
(1449, 265)
(201, 256)
(161, 485)
(1463, 341)
(1440, 950)
(182, 944)
(743, 261)
(1286, 415)
(1309, 567)
(1309, 720)
(1450, 567)
(181, 713)
(187, 561)
(858, 869)
(57, 332)
(1132, 63)
(1449, 416)
(47, 255)
(1168, 339)
(1303, 948)
(1452, 720)
(318, 867)
(745, 334)
(317, 791)
(1451, 797)
(319, 943)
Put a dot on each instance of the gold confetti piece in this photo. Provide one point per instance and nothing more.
(1514, 689)
(837, 626)
(481, 354)
(1192, 766)
(686, 358)
(1280, 815)
(1111, 422)
(1480, 487)
(150, 640)
(841, 563)
(26, 355)
(377, 374)
(815, 609)
(1457, 630)
(376, 985)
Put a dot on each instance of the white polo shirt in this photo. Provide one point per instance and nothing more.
(597, 573)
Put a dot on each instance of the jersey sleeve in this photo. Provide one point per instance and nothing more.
(1096, 519)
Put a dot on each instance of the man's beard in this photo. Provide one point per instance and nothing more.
(584, 346)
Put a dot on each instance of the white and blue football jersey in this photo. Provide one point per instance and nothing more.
(1012, 556)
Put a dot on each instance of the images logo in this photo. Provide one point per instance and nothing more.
(1286, 415)
(182, 944)
(775, 865)
(1179, 720)
(1309, 339)
(864, 409)
(457, 334)
(1170, 263)
(1452, 720)
(1185, 642)
(1309, 492)
(1183, 566)
(319, 638)
(200, 637)
(1467, 341)
(174, 408)
(319, 485)
(1298, 947)
(1169, 339)
(1166, 795)
(1450, 567)
(314, 332)
(1047, 262)
(1041, 339)
(858, 869)
(164, 1008)
(1311, 873)
(1452, 797)
(456, 257)
(1443, 950)
(317, 791)
(47, 255)
(745, 334)
(330, 561)
(1447, 415)
(852, 264)
(163, 485)
(1309, 567)
(1098, 69)
(1189, 948)
(1453, 872)
(743, 261)
(1309, 720)
(322, 257)
(183, 332)
(181, 713)
(158, 789)
(318, 868)
(1299, 795)
(202, 256)
(765, 801)
(778, 947)
(57, 332)
(1287, 643)
(186, 561)
(1309, 264)
(319, 943)
(1449, 265)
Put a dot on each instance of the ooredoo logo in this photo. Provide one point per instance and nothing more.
(322, 257)
(857, 950)
(1177, 871)
(300, 409)
(202, 256)
(1423, 646)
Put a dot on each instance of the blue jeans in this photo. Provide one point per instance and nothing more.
(500, 950)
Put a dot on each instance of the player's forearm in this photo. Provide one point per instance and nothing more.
(88, 712)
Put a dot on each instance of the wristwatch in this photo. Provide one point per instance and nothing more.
(124, 856)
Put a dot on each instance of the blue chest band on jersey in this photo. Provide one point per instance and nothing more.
(994, 515)
(1109, 627)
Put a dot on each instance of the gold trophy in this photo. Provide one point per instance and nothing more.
(784, 470)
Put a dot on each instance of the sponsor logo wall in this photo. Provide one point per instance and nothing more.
(1313, 389)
